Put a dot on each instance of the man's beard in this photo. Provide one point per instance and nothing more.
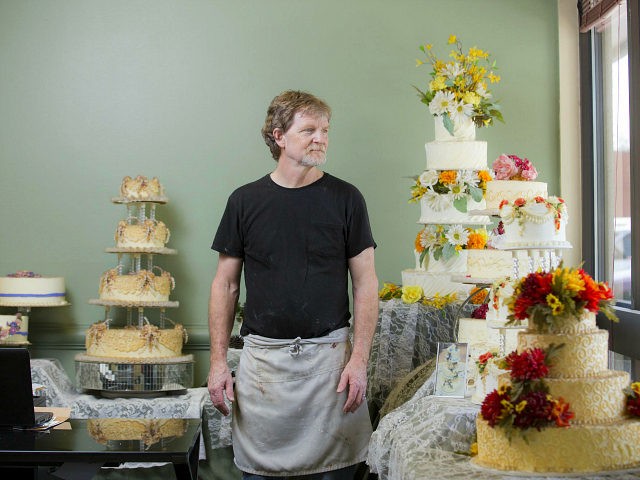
(312, 160)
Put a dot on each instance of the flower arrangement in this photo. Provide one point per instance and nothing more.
(632, 394)
(458, 88)
(546, 298)
(526, 403)
(483, 360)
(445, 241)
(450, 187)
(555, 207)
(512, 167)
(414, 294)
(478, 296)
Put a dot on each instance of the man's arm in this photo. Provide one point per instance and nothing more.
(225, 289)
(365, 315)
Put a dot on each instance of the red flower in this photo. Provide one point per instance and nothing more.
(480, 312)
(518, 202)
(562, 413)
(528, 365)
(593, 292)
(539, 199)
(532, 290)
(503, 203)
(633, 406)
(492, 408)
(537, 413)
(484, 358)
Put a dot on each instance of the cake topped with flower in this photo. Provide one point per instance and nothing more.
(513, 178)
(459, 87)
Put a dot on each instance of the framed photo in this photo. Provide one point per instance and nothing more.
(451, 370)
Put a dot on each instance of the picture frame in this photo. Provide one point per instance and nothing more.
(451, 370)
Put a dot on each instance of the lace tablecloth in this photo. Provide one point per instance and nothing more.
(195, 403)
(423, 439)
(406, 337)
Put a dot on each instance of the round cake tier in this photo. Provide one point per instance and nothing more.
(465, 155)
(488, 263)
(448, 214)
(593, 400)
(579, 448)
(134, 378)
(583, 354)
(511, 190)
(433, 284)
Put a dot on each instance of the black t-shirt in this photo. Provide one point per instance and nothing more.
(295, 243)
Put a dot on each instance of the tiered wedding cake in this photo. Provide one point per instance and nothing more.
(563, 410)
(136, 286)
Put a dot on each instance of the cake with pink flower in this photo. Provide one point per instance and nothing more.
(513, 178)
(562, 409)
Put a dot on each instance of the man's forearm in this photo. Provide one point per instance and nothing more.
(365, 314)
(222, 306)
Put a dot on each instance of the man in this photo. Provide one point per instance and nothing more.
(299, 406)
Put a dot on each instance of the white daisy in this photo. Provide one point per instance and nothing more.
(452, 70)
(460, 111)
(441, 103)
(457, 190)
(480, 90)
(436, 201)
(428, 237)
(429, 178)
(457, 235)
(468, 177)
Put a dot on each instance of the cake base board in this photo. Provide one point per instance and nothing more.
(474, 280)
(517, 473)
(26, 303)
(131, 303)
(525, 246)
(159, 251)
(153, 199)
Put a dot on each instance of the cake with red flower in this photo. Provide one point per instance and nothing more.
(513, 178)
(538, 222)
(563, 410)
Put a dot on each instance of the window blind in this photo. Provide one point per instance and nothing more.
(593, 12)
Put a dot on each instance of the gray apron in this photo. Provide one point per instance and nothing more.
(287, 417)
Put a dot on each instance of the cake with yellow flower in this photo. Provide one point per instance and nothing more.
(562, 410)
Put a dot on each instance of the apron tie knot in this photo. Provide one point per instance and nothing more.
(295, 348)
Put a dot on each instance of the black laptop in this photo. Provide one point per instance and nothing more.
(16, 393)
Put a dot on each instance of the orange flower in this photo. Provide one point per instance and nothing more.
(519, 202)
(484, 176)
(503, 203)
(539, 199)
(477, 240)
(418, 243)
(448, 177)
(478, 295)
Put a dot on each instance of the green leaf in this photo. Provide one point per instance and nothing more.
(476, 193)
(461, 204)
(449, 251)
(448, 123)
(424, 254)
(437, 253)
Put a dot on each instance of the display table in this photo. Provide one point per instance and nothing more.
(76, 445)
(423, 439)
(406, 337)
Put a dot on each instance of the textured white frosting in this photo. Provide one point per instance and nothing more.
(32, 291)
(434, 283)
(489, 263)
(467, 155)
(456, 264)
(452, 215)
(463, 130)
(510, 190)
(536, 228)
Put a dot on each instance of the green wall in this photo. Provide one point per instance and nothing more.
(91, 91)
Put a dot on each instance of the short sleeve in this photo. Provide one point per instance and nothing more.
(228, 238)
(359, 236)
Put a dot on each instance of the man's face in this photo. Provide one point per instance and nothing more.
(306, 140)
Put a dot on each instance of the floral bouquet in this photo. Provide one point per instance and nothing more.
(458, 87)
(546, 298)
(554, 206)
(483, 360)
(450, 187)
(512, 167)
(415, 294)
(632, 394)
(526, 402)
(445, 241)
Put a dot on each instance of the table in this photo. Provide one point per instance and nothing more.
(406, 337)
(55, 447)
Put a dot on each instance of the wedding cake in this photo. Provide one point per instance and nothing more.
(513, 178)
(562, 409)
(31, 289)
(14, 329)
(136, 287)
(539, 222)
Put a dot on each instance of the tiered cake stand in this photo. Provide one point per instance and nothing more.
(142, 377)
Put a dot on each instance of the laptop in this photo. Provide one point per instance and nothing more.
(16, 395)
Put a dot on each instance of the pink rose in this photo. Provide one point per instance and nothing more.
(528, 171)
(504, 167)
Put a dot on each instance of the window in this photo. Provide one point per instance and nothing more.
(609, 63)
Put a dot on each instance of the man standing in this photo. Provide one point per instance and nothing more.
(299, 406)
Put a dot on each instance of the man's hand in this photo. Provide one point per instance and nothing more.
(219, 384)
(354, 376)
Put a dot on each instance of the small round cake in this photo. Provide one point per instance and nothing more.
(141, 188)
(14, 329)
(146, 430)
(31, 289)
(510, 190)
(146, 234)
(144, 286)
(133, 343)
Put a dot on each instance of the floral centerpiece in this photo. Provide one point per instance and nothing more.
(415, 294)
(632, 394)
(512, 167)
(526, 403)
(522, 212)
(442, 188)
(445, 241)
(458, 88)
(546, 298)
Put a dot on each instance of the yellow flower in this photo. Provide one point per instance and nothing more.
(419, 62)
(554, 302)
(473, 449)
(493, 78)
(438, 83)
(570, 279)
(635, 386)
(448, 177)
(471, 97)
(428, 46)
(477, 239)
(477, 53)
(520, 406)
(484, 176)
(388, 289)
(452, 39)
(411, 293)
